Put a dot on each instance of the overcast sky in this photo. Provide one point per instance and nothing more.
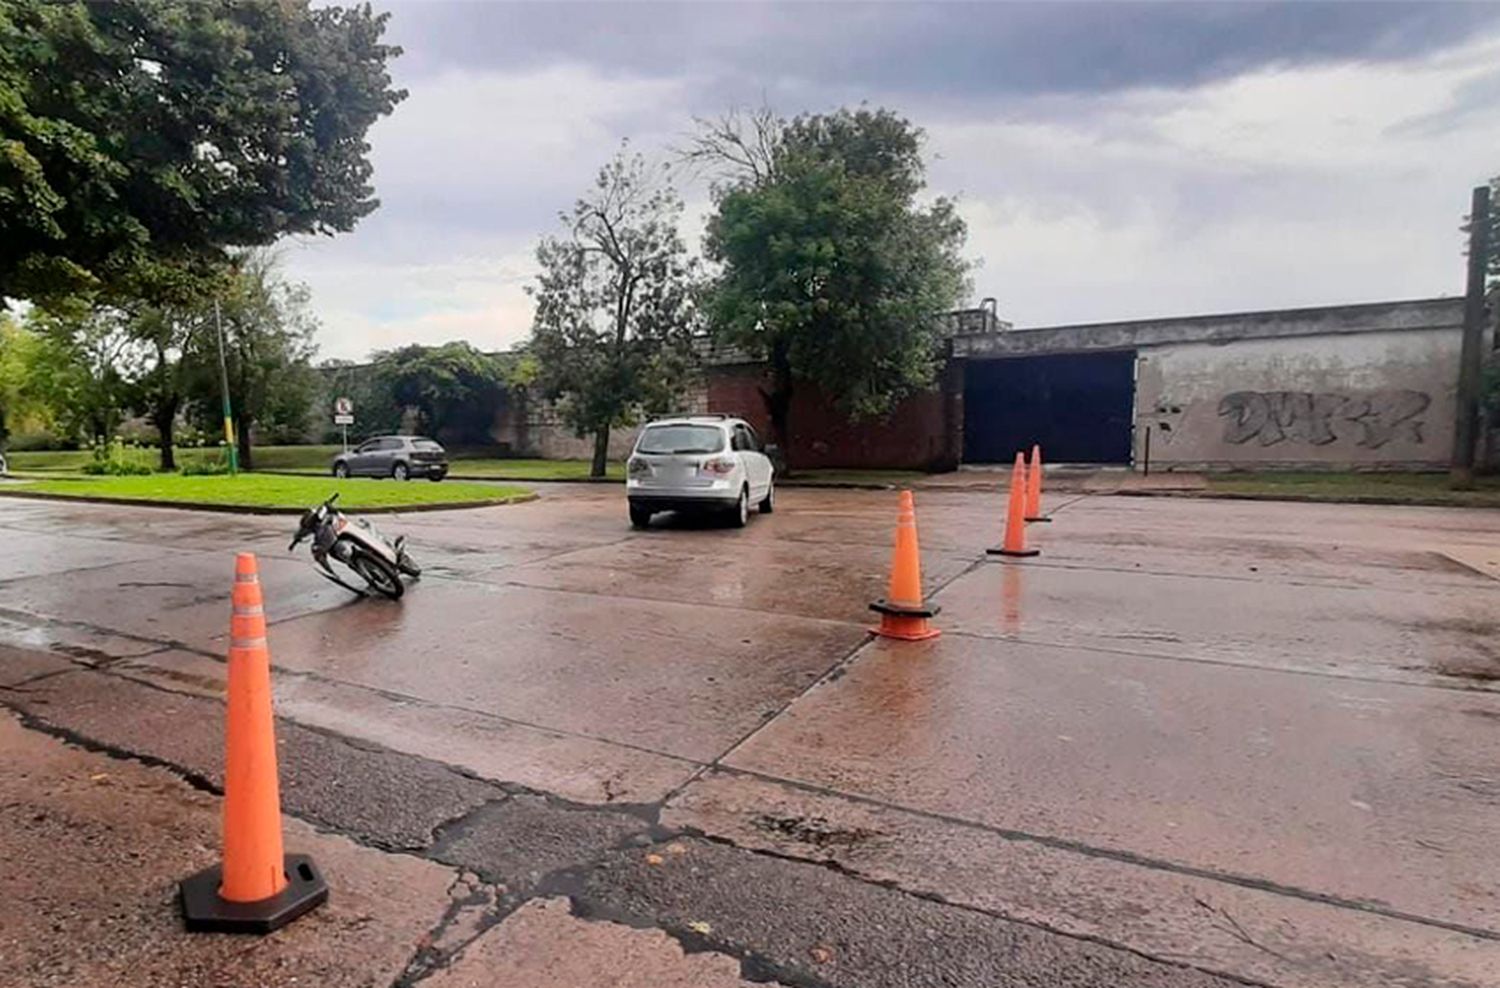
(1113, 161)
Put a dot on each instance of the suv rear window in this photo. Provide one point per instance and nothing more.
(426, 444)
(681, 439)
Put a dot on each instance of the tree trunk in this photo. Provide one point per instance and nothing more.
(601, 452)
(778, 401)
(165, 418)
(242, 436)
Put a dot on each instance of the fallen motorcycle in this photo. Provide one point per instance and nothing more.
(355, 543)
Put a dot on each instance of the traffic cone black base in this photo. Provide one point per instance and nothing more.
(906, 623)
(205, 911)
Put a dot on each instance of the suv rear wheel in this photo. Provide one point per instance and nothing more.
(639, 517)
(741, 516)
(341, 470)
(768, 503)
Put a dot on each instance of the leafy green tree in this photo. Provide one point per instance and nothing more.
(612, 335)
(268, 347)
(375, 408)
(832, 266)
(141, 134)
(85, 368)
(27, 360)
(167, 336)
(454, 388)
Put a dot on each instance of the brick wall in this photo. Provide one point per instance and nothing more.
(918, 435)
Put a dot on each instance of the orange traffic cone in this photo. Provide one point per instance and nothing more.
(257, 888)
(902, 613)
(1034, 487)
(1015, 516)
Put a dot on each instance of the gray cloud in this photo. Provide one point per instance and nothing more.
(957, 49)
(1113, 160)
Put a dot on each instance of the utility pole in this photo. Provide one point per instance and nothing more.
(234, 452)
(1466, 425)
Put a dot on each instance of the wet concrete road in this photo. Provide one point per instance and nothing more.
(1191, 739)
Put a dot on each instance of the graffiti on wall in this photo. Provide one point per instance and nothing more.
(1370, 420)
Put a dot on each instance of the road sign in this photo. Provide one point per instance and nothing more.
(343, 406)
(343, 420)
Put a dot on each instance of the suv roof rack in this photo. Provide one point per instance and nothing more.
(717, 416)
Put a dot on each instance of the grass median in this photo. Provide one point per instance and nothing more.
(1381, 488)
(271, 491)
(318, 461)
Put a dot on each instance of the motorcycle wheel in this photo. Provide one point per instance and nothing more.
(379, 574)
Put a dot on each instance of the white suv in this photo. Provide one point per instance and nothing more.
(699, 463)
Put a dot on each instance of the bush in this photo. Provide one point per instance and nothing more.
(115, 459)
(26, 442)
(205, 466)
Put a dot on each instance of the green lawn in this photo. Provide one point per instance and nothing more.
(460, 465)
(1410, 488)
(49, 461)
(271, 490)
(316, 461)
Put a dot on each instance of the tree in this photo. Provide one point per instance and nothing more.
(167, 334)
(143, 133)
(375, 409)
(268, 346)
(28, 362)
(612, 334)
(454, 388)
(831, 270)
(86, 366)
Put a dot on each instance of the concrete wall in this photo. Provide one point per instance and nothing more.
(1328, 320)
(529, 427)
(1361, 399)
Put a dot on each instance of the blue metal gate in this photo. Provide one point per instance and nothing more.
(1077, 406)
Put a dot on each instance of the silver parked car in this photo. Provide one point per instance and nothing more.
(699, 463)
(399, 457)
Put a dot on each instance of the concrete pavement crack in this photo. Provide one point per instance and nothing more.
(1460, 687)
(1131, 857)
(895, 886)
(567, 881)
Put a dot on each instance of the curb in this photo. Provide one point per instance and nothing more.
(256, 509)
(1389, 500)
(469, 477)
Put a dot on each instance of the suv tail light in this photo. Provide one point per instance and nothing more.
(720, 465)
(637, 467)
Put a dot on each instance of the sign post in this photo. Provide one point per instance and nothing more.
(343, 415)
